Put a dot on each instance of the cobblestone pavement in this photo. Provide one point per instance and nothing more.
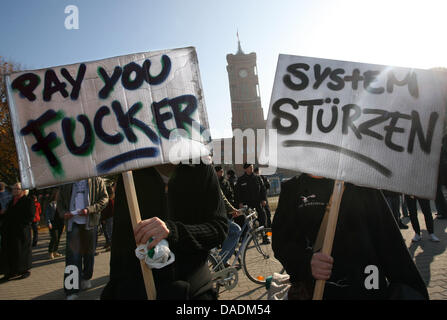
(46, 278)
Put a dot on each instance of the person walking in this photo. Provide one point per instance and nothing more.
(107, 218)
(36, 220)
(393, 201)
(268, 216)
(16, 238)
(426, 210)
(55, 226)
(81, 203)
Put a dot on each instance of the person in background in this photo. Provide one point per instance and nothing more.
(16, 238)
(426, 210)
(81, 204)
(55, 225)
(392, 199)
(266, 183)
(403, 205)
(107, 218)
(250, 191)
(232, 179)
(225, 185)
(36, 220)
(5, 198)
(440, 203)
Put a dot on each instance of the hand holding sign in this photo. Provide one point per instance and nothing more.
(321, 266)
(154, 228)
(370, 125)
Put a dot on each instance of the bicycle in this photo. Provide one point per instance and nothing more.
(253, 254)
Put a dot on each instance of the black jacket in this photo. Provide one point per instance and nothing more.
(366, 234)
(227, 189)
(16, 254)
(249, 190)
(194, 213)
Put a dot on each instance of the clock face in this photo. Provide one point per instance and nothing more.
(243, 73)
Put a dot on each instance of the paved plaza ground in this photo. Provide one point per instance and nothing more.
(46, 278)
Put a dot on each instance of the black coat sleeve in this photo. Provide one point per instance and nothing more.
(214, 228)
(288, 241)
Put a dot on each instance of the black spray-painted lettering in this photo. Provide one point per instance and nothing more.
(28, 82)
(370, 77)
(137, 81)
(348, 119)
(181, 110)
(53, 85)
(68, 130)
(310, 111)
(416, 129)
(75, 83)
(44, 143)
(133, 75)
(391, 128)
(334, 117)
(25, 84)
(165, 70)
(97, 124)
(352, 121)
(293, 69)
(410, 80)
(109, 82)
(365, 127)
(181, 116)
(127, 121)
(355, 78)
(333, 80)
(280, 114)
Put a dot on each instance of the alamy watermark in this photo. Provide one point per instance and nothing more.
(71, 281)
(252, 146)
(72, 20)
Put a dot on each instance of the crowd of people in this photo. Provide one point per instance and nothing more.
(24, 213)
(197, 208)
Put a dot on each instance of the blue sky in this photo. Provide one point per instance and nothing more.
(392, 32)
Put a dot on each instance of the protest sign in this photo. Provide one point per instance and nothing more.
(108, 116)
(370, 125)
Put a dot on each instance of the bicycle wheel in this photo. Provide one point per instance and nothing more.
(212, 263)
(258, 259)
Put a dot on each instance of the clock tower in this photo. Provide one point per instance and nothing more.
(244, 91)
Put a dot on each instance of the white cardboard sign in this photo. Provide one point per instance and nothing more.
(107, 116)
(371, 125)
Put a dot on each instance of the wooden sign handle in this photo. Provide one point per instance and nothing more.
(334, 206)
(135, 217)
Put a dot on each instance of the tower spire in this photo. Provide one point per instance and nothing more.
(239, 48)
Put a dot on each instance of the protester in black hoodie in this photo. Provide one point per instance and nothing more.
(181, 204)
(366, 235)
